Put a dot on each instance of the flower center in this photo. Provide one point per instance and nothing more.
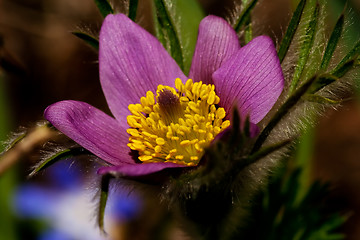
(178, 125)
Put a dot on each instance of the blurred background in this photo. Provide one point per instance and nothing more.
(41, 62)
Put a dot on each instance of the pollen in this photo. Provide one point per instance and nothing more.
(177, 124)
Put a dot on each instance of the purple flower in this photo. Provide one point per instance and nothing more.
(133, 64)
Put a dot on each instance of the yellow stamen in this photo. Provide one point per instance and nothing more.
(177, 124)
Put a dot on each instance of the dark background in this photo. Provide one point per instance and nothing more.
(45, 63)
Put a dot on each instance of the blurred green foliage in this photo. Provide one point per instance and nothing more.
(8, 181)
(293, 205)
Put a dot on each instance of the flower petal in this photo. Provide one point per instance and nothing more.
(251, 79)
(132, 62)
(92, 129)
(217, 41)
(138, 170)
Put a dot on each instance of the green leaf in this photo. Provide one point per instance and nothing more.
(305, 48)
(91, 40)
(104, 193)
(279, 213)
(176, 25)
(322, 81)
(334, 75)
(328, 229)
(348, 61)
(333, 41)
(15, 141)
(290, 188)
(283, 111)
(248, 34)
(104, 7)
(236, 137)
(290, 31)
(133, 4)
(239, 134)
(344, 68)
(245, 15)
(262, 153)
(169, 36)
(321, 99)
(64, 154)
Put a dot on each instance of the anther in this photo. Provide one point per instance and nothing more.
(176, 125)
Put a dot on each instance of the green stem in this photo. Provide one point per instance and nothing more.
(282, 112)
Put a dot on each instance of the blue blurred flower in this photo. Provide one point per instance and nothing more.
(64, 204)
(124, 207)
(54, 235)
